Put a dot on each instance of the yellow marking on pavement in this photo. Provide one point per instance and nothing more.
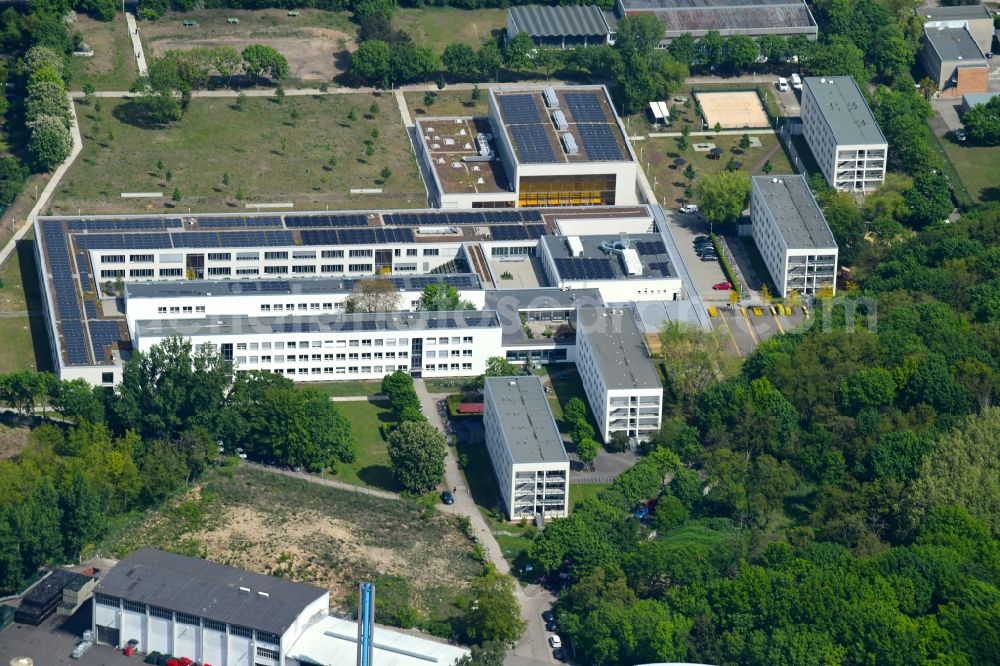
(778, 321)
(753, 333)
(712, 312)
(732, 337)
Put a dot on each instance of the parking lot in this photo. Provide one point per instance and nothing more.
(52, 642)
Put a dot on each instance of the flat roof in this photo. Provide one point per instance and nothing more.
(561, 21)
(300, 286)
(545, 298)
(967, 12)
(974, 99)
(585, 114)
(526, 420)
(618, 347)
(375, 322)
(954, 45)
(844, 107)
(748, 16)
(334, 642)
(208, 590)
(799, 218)
(602, 260)
(451, 143)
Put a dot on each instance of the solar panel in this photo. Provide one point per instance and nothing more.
(599, 142)
(650, 247)
(661, 267)
(519, 109)
(90, 307)
(535, 231)
(575, 268)
(75, 341)
(305, 221)
(532, 144)
(586, 107)
(104, 334)
(295, 327)
(141, 224)
(509, 233)
(245, 222)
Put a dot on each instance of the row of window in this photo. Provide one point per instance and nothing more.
(292, 358)
(185, 309)
(340, 344)
(350, 370)
(446, 366)
(185, 618)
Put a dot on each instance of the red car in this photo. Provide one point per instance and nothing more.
(722, 286)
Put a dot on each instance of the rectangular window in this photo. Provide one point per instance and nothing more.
(264, 307)
(200, 309)
(105, 600)
(332, 254)
(303, 254)
(247, 256)
(431, 252)
(184, 618)
(219, 256)
(141, 272)
(134, 606)
(171, 272)
(242, 632)
(218, 270)
(141, 258)
(360, 253)
(162, 613)
(276, 270)
(411, 252)
(113, 274)
(266, 653)
(248, 271)
(113, 258)
(303, 269)
(332, 268)
(161, 310)
(215, 626)
(275, 255)
(266, 637)
(359, 268)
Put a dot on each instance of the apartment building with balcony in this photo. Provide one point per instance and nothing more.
(842, 133)
(622, 386)
(525, 447)
(792, 235)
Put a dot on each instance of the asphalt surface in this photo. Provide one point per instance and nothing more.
(52, 642)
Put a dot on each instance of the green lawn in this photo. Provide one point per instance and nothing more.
(657, 157)
(22, 324)
(347, 388)
(446, 103)
(113, 66)
(437, 27)
(566, 385)
(977, 166)
(268, 152)
(371, 467)
(578, 492)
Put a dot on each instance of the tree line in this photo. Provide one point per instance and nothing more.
(116, 452)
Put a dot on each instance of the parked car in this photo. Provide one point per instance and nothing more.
(690, 208)
(722, 286)
(551, 626)
(709, 257)
(710, 252)
(702, 239)
(783, 84)
(960, 135)
(796, 82)
(642, 513)
(555, 641)
(559, 654)
(548, 616)
(447, 497)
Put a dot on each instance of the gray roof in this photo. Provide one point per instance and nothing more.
(654, 264)
(528, 425)
(735, 16)
(954, 45)
(208, 590)
(800, 220)
(547, 298)
(376, 322)
(974, 99)
(300, 286)
(562, 21)
(619, 348)
(958, 13)
(844, 107)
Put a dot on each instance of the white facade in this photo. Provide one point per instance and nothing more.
(621, 385)
(847, 164)
(525, 447)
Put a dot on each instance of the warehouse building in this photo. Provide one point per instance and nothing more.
(842, 133)
(207, 612)
(792, 235)
(954, 60)
(974, 18)
(525, 447)
(753, 18)
(621, 383)
(562, 26)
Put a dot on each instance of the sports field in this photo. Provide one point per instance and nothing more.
(732, 110)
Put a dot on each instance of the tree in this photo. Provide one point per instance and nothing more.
(689, 172)
(587, 451)
(929, 199)
(370, 63)
(176, 195)
(837, 56)
(745, 142)
(575, 410)
(380, 9)
(488, 654)
(441, 296)
(982, 122)
(46, 98)
(710, 49)
(739, 53)
(846, 222)
(670, 513)
(416, 456)
(373, 295)
(517, 52)
(723, 196)
(618, 442)
(76, 399)
(498, 366)
(460, 60)
(260, 60)
(12, 177)
(683, 49)
(38, 57)
(50, 143)
(492, 613)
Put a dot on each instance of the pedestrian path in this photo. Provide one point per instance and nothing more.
(404, 111)
(133, 33)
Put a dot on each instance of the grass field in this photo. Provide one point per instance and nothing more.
(22, 324)
(112, 66)
(446, 103)
(977, 166)
(347, 388)
(278, 525)
(566, 385)
(268, 152)
(657, 157)
(371, 467)
(437, 27)
(578, 492)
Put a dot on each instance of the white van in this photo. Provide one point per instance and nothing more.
(796, 81)
(782, 84)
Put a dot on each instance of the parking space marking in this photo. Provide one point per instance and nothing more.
(732, 338)
(777, 321)
(753, 333)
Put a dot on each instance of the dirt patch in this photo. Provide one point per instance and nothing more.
(12, 441)
(312, 53)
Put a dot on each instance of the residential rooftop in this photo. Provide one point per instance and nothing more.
(208, 590)
(799, 218)
(844, 107)
(526, 420)
(728, 16)
(298, 286)
(618, 348)
(606, 257)
(954, 44)
(537, 126)
(374, 322)
(453, 145)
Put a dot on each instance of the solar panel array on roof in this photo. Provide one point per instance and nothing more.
(124, 225)
(371, 236)
(150, 241)
(104, 334)
(227, 222)
(574, 268)
(90, 307)
(586, 107)
(296, 327)
(459, 218)
(305, 221)
(661, 267)
(208, 239)
(532, 143)
(649, 247)
(599, 142)
(519, 109)
(66, 304)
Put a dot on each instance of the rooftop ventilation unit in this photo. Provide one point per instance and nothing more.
(575, 246)
(551, 99)
(569, 143)
(263, 594)
(631, 262)
(559, 119)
